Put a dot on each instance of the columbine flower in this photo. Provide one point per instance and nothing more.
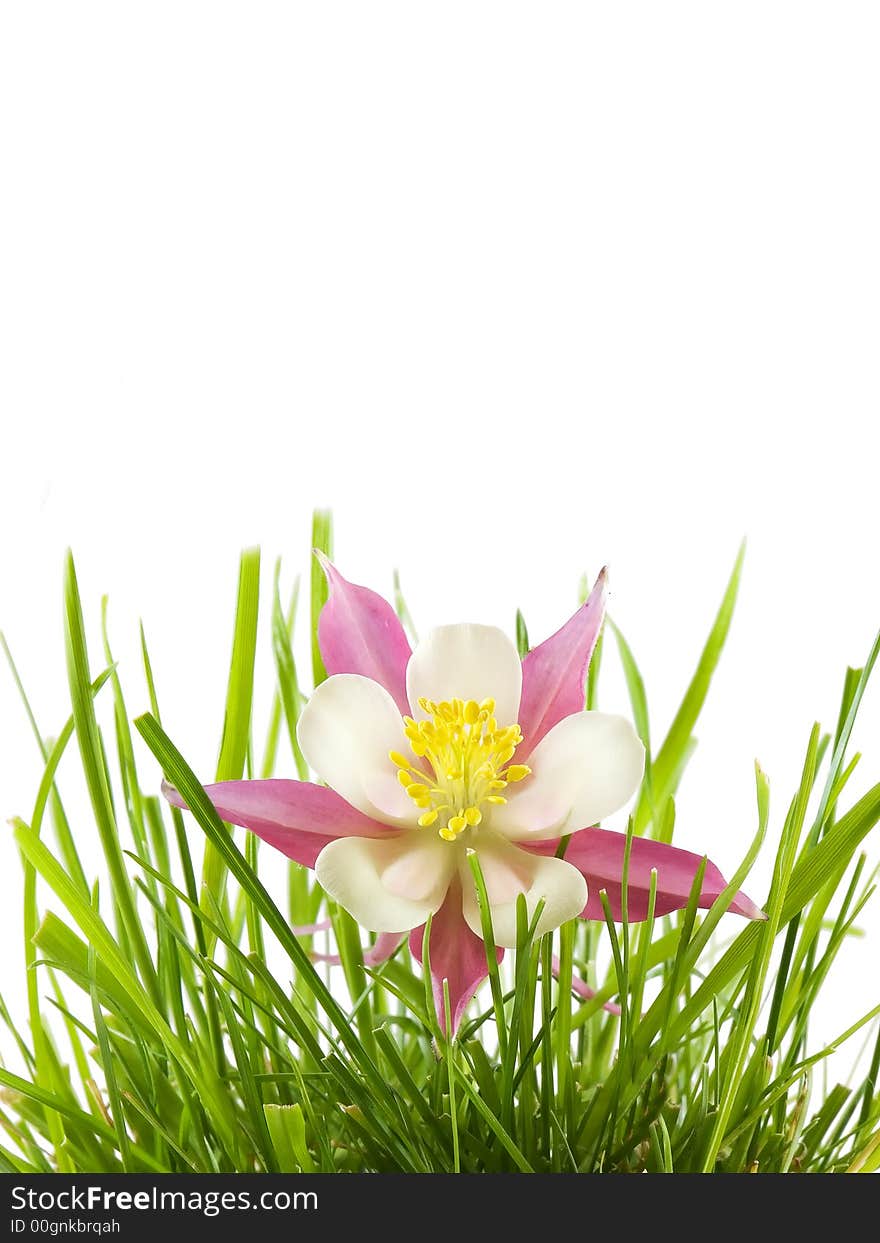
(459, 746)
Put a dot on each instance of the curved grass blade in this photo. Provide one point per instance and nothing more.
(322, 541)
(97, 780)
(239, 698)
(667, 766)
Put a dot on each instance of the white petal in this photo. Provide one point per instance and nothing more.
(509, 871)
(585, 768)
(346, 731)
(388, 885)
(466, 662)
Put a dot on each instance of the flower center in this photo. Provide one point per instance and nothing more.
(469, 756)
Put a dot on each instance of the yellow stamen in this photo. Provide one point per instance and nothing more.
(466, 757)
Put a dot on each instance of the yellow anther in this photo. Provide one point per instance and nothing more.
(457, 824)
(498, 799)
(516, 772)
(488, 706)
(429, 818)
(400, 760)
(417, 789)
(404, 778)
(473, 815)
(471, 712)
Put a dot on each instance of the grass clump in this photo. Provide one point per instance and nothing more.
(176, 1022)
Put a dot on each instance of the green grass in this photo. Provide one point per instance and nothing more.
(175, 1023)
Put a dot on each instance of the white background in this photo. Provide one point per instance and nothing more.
(516, 289)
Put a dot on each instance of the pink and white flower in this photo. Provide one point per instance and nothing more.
(457, 747)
